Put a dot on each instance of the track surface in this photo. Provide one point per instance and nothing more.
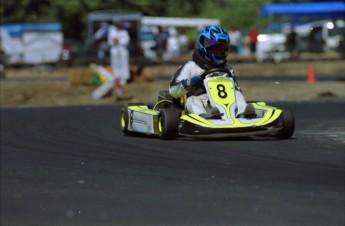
(72, 166)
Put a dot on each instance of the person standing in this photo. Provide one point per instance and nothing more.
(183, 42)
(235, 39)
(253, 39)
(101, 36)
(173, 47)
(161, 40)
(291, 43)
(118, 40)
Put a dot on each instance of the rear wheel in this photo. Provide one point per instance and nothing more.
(168, 124)
(287, 124)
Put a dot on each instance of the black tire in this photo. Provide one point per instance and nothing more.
(168, 124)
(287, 124)
(125, 120)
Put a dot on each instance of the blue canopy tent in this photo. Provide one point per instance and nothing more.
(303, 12)
(329, 10)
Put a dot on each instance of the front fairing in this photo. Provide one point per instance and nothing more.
(221, 94)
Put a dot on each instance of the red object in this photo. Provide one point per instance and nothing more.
(311, 74)
(253, 36)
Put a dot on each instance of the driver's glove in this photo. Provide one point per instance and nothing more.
(196, 81)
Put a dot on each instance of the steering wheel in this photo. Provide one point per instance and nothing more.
(213, 70)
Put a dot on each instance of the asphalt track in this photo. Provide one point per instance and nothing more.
(72, 166)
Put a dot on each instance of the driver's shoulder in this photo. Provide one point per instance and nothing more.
(192, 67)
(230, 68)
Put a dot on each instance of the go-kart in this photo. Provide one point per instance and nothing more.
(168, 119)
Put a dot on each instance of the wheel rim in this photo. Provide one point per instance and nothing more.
(160, 125)
(123, 120)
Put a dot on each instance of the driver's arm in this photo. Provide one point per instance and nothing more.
(183, 80)
(176, 88)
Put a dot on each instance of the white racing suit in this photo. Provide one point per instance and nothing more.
(118, 40)
(197, 100)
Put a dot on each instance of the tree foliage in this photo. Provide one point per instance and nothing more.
(73, 13)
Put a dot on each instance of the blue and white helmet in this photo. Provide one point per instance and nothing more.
(214, 44)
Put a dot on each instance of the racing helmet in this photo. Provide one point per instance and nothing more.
(214, 44)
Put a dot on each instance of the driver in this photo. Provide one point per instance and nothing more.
(212, 51)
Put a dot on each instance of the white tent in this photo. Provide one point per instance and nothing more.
(178, 22)
(32, 43)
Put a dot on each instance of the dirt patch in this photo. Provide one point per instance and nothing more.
(53, 87)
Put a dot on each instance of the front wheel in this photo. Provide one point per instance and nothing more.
(287, 124)
(168, 124)
(125, 120)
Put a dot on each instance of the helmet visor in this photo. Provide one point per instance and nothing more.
(218, 49)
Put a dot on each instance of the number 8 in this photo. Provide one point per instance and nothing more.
(221, 91)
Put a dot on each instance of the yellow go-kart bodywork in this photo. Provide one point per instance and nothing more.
(167, 117)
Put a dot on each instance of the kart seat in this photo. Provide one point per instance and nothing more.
(177, 102)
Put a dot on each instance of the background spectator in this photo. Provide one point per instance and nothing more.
(161, 40)
(173, 46)
(2, 63)
(235, 39)
(118, 40)
(253, 38)
(291, 43)
(101, 36)
(183, 42)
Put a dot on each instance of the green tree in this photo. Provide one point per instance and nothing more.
(73, 13)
